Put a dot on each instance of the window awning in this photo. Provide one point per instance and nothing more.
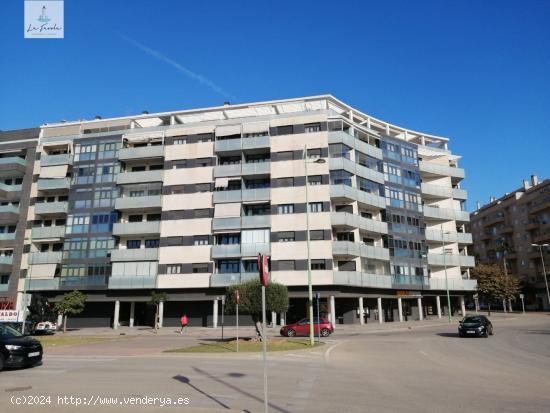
(256, 127)
(222, 182)
(59, 171)
(228, 210)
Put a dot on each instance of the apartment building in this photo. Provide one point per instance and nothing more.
(17, 156)
(510, 229)
(182, 202)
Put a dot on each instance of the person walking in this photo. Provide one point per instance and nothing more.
(183, 321)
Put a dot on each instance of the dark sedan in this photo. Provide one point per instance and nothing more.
(17, 350)
(475, 325)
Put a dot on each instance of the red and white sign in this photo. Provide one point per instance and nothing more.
(263, 269)
(8, 315)
(237, 297)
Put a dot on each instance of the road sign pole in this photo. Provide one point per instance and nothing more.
(522, 304)
(223, 311)
(237, 327)
(264, 348)
(318, 296)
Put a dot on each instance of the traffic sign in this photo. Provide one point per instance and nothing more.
(237, 297)
(263, 269)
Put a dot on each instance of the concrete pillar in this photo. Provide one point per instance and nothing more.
(504, 305)
(161, 313)
(273, 319)
(462, 306)
(361, 310)
(282, 318)
(380, 311)
(215, 314)
(59, 321)
(420, 309)
(132, 311)
(115, 316)
(438, 304)
(400, 308)
(332, 306)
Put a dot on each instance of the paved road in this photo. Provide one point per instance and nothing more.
(426, 369)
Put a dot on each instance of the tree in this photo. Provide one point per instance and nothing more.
(71, 303)
(156, 299)
(276, 297)
(40, 309)
(493, 284)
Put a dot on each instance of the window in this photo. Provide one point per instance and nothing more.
(314, 153)
(202, 213)
(345, 236)
(228, 266)
(179, 165)
(174, 269)
(316, 235)
(318, 265)
(153, 217)
(252, 236)
(285, 156)
(135, 194)
(180, 141)
(285, 209)
(340, 177)
(286, 236)
(315, 180)
(200, 268)
(203, 187)
(133, 244)
(284, 130)
(284, 182)
(200, 240)
(250, 266)
(315, 207)
(286, 265)
(312, 127)
(152, 243)
(228, 239)
(156, 167)
(135, 218)
(203, 162)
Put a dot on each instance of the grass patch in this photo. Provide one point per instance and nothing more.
(245, 346)
(61, 340)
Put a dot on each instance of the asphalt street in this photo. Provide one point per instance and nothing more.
(422, 369)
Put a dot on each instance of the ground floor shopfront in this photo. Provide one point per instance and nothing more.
(205, 308)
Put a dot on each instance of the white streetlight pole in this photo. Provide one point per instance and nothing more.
(309, 282)
(446, 278)
(543, 269)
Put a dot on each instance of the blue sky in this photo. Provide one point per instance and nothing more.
(477, 72)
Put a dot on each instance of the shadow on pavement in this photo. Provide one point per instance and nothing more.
(231, 386)
(538, 332)
(452, 335)
(186, 380)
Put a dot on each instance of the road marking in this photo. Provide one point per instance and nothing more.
(329, 350)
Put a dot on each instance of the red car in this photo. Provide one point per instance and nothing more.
(301, 328)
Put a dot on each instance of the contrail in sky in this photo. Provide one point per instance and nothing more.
(189, 73)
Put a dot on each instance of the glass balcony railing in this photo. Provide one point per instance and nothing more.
(52, 257)
(138, 177)
(7, 236)
(45, 208)
(48, 232)
(137, 254)
(454, 284)
(53, 160)
(142, 202)
(143, 152)
(347, 219)
(53, 184)
(353, 142)
(136, 228)
(132, 282)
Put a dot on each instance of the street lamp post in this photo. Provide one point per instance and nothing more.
(309, 283)
(446, 278)
(543, 269)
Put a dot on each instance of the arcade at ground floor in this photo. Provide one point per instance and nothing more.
(205, 308)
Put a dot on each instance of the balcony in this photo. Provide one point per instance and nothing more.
(6, 259)
(410, 281)
(238, 195)
(10, 192)
(240, 250)
(256, 142)
(137, 254)
(9, 214)
(136, 228)
(141, 203)
(455, 284)
(51, 208)
(256, 221)
(140, 177)
(362, 279)
(224, 280)
(142, 152)
(227, 145)
(7, 236)
(54, 160)
(493, 220)
(430, 191)
(351, 141)
(55, 232)
(434, 170)
(37, 284)
(227, 170)
(460, 237)
(82, 282)
(451, 260)
(256, 168)
(133, 282)
(356, 169)
(446, 214)
(348, 248)
(345, 192)
(12, 166)
(56, 184)
(348, 220)
(52, 257)
(226, 251)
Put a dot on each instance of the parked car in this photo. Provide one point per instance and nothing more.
(18, 350)
(301, 328)
(475, 325)
(45, 327)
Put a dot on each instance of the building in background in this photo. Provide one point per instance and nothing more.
(507, 228)
(183, 202)
(17, 157)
